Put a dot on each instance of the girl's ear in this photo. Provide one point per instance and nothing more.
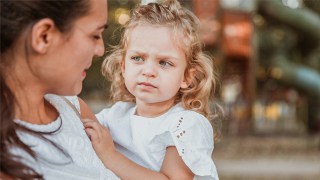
(188, 78)
(42, 35)
(122, 67)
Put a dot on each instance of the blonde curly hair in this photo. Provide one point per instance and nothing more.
(184, 25)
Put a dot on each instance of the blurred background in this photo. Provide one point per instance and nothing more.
(267, 55)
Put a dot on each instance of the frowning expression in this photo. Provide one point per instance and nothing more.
(154, 64)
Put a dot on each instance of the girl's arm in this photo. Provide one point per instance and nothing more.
(173, 167)
(173, 164)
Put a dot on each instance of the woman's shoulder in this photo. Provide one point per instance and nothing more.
(60, 102)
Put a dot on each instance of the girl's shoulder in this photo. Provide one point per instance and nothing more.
(180, 118)
(116, 111)
(118, 108)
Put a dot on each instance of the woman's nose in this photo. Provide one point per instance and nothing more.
(99, 50)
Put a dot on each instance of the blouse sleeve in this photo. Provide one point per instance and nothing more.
(192, 134)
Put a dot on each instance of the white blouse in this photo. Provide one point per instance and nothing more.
(144, 140)
(82, 163)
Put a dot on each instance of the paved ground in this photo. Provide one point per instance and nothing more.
(248, 158)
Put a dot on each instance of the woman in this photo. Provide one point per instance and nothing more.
(46, 48)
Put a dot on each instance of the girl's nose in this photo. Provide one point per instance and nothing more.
(149, 70)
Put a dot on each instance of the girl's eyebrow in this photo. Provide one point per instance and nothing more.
(136, 51)
(160, 56)
(166, 57)
(170, 57)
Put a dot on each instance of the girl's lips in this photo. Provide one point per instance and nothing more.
(84, 73)
(147, 84)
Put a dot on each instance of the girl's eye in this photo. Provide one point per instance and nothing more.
(165, 64)
(137, 58)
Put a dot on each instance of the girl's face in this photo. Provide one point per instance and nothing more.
(64, 67)
(154, 65)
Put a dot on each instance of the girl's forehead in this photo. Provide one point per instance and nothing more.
(176, 34)
(163, 38)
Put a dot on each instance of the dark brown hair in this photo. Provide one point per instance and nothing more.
(17, 17)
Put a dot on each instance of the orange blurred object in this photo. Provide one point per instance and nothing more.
(207, 12)
(237, 34)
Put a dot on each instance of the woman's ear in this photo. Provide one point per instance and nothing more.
(188, 78)
(41, 35)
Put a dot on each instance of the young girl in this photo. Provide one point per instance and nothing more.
(162, 84)
(46, 48)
